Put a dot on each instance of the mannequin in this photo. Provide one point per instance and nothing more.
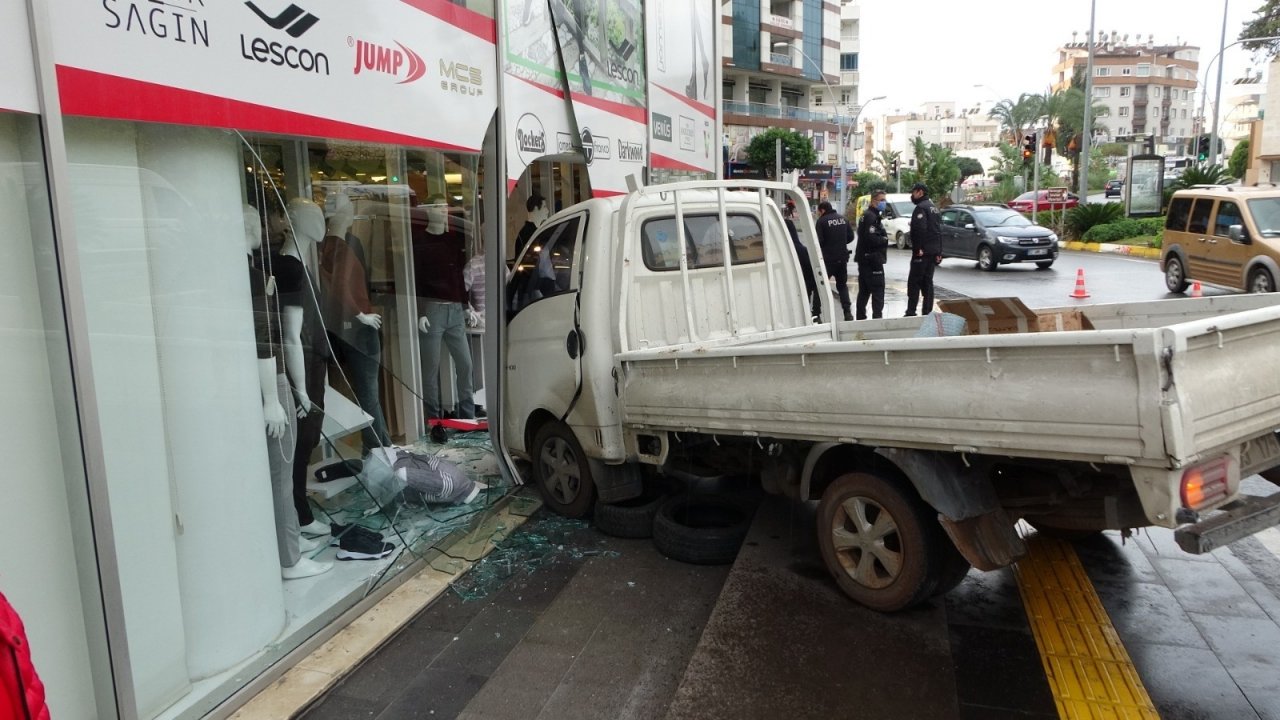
(538, 213)
(439, 254)
(303, 233)
(348, 314)
(277, 324)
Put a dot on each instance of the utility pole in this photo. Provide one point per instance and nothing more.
(1086, 133)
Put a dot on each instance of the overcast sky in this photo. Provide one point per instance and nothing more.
(926, 50)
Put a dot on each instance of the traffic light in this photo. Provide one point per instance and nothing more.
(1028, 147)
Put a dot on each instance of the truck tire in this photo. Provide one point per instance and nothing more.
(880, 541)
(562, 472)
(629, 518)
(700, 529)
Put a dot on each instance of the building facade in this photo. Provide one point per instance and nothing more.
(1144, 88)
(790, 64)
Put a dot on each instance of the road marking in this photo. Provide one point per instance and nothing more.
(1270, 539)
(1088, 669)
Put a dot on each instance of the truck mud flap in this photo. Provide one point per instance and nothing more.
(1238, 519)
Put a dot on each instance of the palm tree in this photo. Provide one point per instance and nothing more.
(1017, 116)
(884, 160)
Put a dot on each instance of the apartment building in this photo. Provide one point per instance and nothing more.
(791, 64)
(1145, 88)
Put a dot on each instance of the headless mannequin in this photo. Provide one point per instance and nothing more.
(353, 327)
(269, 287)
(439, 256)
(303, 233)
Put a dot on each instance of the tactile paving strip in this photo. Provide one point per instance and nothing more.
(1089, 671)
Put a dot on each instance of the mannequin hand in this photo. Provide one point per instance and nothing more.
(423, 323)
(273, 412)
(474, 319)
(304, 402)
(373, 320)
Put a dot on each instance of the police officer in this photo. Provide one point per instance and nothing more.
(834, 235)
(871, 255)
(926, 250)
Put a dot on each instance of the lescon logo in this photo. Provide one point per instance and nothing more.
(531, 139)
(382, 59)
(294, 20)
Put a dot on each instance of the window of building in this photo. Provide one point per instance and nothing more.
(1144, 70)
(1126, 91)
(1102, 71)
(849, 61)
(1124, 111)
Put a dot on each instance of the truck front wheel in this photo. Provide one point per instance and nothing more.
(561, 470)
(879, 541)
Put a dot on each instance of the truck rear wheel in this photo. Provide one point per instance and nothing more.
(879, 541)
(561, 471)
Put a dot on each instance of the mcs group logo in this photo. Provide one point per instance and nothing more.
(401, 63)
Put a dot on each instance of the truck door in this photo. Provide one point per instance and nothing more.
(543, 344)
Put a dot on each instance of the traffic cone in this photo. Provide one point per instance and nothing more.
(1080, 291)
(1195, 289)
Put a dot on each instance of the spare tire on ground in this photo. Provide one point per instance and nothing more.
(629, 518)
(701, 529)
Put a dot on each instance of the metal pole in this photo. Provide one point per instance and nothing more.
(1217, 94)
(1086, 132)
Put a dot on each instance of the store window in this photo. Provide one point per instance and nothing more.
(266, 341)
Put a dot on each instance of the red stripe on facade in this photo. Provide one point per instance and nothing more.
(485, 28)
(666, 163)
(700, 107)
(622, 110)
(93, 94)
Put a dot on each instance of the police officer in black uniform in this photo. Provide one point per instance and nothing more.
(926, 245)
(834, 235)
(871, 255)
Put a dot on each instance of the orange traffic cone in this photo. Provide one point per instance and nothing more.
(1195, 289)
(1080, 291)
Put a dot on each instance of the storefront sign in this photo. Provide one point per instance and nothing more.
(416, 72)
(18, 91)
(682, 96)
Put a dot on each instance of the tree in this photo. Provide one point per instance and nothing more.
(936, 167)
(968, 167)
(884, 161)
(1018, 116)
(1266, 23)
(1239, 161)
(797, 150)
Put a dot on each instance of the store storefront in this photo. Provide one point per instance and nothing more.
(239, 238)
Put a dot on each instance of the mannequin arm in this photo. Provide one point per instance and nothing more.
(294, 364)
(272, 410)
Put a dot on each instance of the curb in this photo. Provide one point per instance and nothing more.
(1131, 250)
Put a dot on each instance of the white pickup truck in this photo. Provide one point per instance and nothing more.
(630, 343)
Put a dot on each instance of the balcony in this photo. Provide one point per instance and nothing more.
(786, 112)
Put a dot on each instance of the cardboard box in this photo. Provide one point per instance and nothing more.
(998, 316)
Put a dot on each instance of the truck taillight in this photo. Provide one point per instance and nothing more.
(1205, 484)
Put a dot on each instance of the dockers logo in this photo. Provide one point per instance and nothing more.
(295, 22)
(372, 57)
(531, 139)
(661, 127)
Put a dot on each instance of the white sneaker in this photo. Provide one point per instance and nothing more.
(305, 568)
(306, 544)
(315, 527)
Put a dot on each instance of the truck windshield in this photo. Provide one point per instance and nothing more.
(1266, 215)
(704, 241)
